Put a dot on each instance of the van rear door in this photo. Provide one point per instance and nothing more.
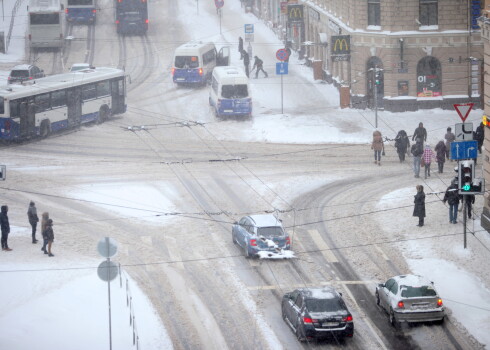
(223, 58)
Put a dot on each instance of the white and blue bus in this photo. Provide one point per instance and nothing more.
(81, 11)
(194, 62)
(60, 101)
(230, 92)
(45, 24)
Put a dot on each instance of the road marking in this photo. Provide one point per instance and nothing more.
(327, 253)
(382, 252)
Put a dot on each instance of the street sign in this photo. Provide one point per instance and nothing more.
(249, 38)
(282, 54)
(281, 68)
(464, 150)
(219, 3)
(464, 131)
(249, 28)
(463, 110)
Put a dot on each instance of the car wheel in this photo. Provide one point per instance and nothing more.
(103, 114)
(393, 320)
(233, 238)
(247, 254)
(45, 129)
(441, 321)
(299, 336)
(377, 298)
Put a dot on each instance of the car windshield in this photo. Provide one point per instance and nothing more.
(131, 16)
(323, 305)
(274, 231)
(19, 74)
(234, 91)
(186, 62)
(414, 292)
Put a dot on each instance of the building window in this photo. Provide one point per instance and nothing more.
(429, 77)
(374, 10)
(428, 12)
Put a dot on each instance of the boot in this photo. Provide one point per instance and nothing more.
(8, 249)
(34, 241)
(50, 255)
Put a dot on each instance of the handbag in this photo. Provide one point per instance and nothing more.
(422, 162)
(383, 153)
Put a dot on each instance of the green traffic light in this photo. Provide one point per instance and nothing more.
(466, 187)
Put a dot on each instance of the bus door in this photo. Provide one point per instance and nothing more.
(31, 118)
(27, 115)
(223, 58)
(117, 93)
(23, 127)
(74, 104)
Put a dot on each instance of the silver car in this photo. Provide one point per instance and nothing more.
(410, 298)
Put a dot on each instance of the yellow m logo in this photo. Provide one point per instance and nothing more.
(295, 13)
(341, 43)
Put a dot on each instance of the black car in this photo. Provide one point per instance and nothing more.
(315, 313)
(25, 72)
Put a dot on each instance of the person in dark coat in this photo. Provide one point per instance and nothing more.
(449, 137)
(402, 144)
(440, 155)
(420, 133)
(480, 136)
(288, 50)
(419, 208)
(469, 200)
(246, 62)
(49, 235)
(452, 197)
(5, 227)
(259, 66)
(417, 151)
(240, 47)
(33, 219)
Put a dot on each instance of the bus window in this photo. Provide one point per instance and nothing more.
(209, 56)
(2, 107)
(58, 98)
(14, 109)
(45, 18)
(234, 91)
(103, 89)
(186, 62)
(80, 2)
(88, 92)
(42, 102)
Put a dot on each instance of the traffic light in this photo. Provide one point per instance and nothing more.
(377, 77)
(465, 175)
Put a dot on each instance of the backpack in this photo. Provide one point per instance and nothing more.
(416, 150)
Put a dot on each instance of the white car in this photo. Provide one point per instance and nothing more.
(410, 298)
(79, 66)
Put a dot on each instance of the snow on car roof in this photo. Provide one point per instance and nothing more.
(22, 67)
(412, 280)
(320, 293)
(265, 220)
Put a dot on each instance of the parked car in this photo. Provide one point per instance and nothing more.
(79, 66)
(25, 72)
(316, 313)
(260, 233)
(410, 298)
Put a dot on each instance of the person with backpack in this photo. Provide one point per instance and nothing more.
(480, 136)
(258, 66)
(440, 155)
(402, 143)
(417, 151)
(452, 197)
(420, 133)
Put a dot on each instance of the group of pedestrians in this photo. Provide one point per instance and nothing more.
(258, 63)
(46, 228)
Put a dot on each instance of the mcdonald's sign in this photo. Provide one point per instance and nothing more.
(295, 13)
(340, 45)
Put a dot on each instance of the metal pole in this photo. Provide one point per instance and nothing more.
(464, 220)
(197, 5)
(375, 98)
(282, 105)
(220, 21)
(109, 292)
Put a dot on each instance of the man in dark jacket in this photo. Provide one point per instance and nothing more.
(480, 136)
(259, 66)
(469, 200)
(246, 62)
(452, 197)
(417, 151)
(5, 227)
(240, 46)
(420, 133)
(33, 219)
(419, 208)
(402, 143)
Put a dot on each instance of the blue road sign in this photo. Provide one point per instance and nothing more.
(464, 150)
(249, 28)
(281, 68)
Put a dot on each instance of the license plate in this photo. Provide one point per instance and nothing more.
(180, 79)
(228, 110)
(330, 324)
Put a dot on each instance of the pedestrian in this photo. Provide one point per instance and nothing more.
(246, 62)
(288, 50)
(49, 235)
(33, 219)
(480, 136)
(378, 146)
(259, 66)
(5, 227)
(240, 47)
(417, 150)
(469, 199)
(402, 143)
(449, 137)
(419, 208)
(44, 224)
(440, 155)
(428, 155)
(420, 133)
(452, 198)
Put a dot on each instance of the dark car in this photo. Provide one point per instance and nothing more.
(316, 313)
(25, 72)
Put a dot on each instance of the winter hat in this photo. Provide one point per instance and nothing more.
(50, 222)
(31, 203)
(427, 145)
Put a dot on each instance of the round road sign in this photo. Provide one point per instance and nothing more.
(107, 271)
(219, 3)
(282, 54)
(107, 247)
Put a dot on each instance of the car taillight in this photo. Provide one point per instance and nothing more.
(288, 240)
(219, 103)
(439, 302)
(30, 78)
(66, 10)
(94, 11)
(348, 319)
(200, 71)
(173, 71)
(253, 242)
(147, 21)
(117, 21)
(309, 320)
(401, 305)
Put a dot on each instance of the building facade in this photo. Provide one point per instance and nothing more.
(397, 55)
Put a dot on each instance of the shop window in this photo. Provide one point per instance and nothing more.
(429, 77)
